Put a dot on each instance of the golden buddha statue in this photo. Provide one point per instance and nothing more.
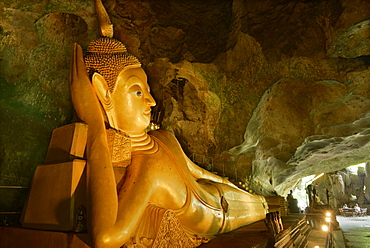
(163, 196)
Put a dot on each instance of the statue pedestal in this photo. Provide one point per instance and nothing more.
(249, 236)
(57, 197)
(20, 238)
(277, 203)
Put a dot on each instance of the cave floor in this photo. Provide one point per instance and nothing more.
(356, 231)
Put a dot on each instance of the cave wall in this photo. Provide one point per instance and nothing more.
(270, 91)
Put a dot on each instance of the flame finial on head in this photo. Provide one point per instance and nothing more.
(105, 25)
(106, 55)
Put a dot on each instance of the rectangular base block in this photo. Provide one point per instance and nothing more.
(67, 142)
(57, 193)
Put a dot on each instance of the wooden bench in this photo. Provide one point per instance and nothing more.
(363, 212)
(347, 212)
(351, 212)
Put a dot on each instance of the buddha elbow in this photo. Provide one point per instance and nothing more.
(103, 241)
(106, 240)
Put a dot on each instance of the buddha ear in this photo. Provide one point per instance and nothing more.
(105, 97)
(102, 90)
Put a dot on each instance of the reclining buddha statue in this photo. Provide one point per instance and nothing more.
(163, 197)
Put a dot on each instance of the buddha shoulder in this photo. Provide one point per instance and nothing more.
(166, 137)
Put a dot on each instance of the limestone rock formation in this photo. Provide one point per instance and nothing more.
(344, 187)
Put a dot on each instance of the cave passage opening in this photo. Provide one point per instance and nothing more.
(300, 190)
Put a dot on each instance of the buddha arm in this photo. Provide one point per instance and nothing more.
(200, 173)
(103, 205)
(115, 227)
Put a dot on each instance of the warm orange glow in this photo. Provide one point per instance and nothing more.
(325, 228)
(318, 176)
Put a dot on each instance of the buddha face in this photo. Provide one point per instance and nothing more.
(132, 101)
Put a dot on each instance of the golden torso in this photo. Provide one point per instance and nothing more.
(161, 171)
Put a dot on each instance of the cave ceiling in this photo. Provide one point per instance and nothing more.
(268, 91)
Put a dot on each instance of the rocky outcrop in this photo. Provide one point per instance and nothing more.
(344, 187)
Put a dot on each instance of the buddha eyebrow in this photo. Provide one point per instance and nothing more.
(141, 85)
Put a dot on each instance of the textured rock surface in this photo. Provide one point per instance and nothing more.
(271, 91)
(344, 187)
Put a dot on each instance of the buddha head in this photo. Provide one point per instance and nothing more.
(120, 84)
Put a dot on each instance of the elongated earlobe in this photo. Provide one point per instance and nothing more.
(105, 97)
(102, 91)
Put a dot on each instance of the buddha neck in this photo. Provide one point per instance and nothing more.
(141, 142)
(136, 141)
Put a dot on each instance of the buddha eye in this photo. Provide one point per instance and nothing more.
(137, 93)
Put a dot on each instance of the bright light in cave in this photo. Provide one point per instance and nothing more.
(353, 169)
(299, 192)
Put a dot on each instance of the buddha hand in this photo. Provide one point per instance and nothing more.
(84, 99)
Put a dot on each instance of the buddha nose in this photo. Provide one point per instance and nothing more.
(150, 100)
